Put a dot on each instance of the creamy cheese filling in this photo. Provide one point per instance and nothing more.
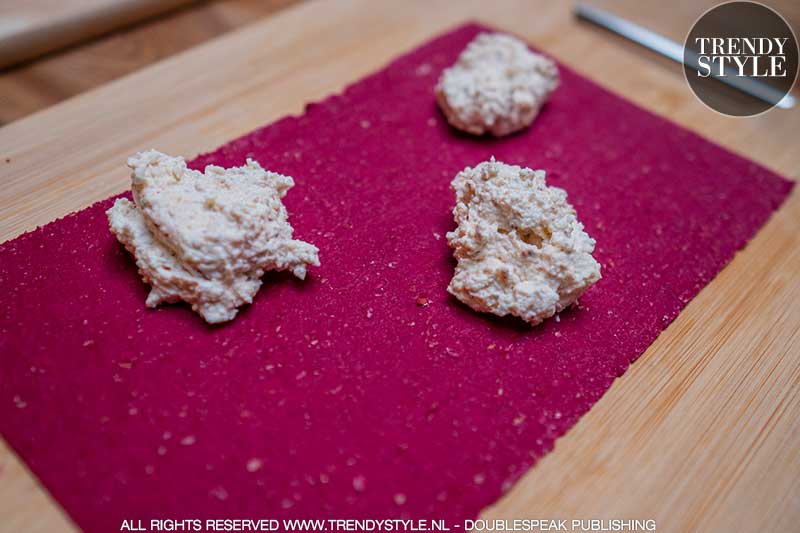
(496, 86)
(520, 248)
(207, 238)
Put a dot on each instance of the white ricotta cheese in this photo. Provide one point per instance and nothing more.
(497, 85)
(207, 238)
(520, 247)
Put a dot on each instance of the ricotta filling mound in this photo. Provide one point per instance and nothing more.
(497, 85)
(520, 248)
(207, 238)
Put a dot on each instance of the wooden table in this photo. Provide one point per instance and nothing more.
(48, 80)
(702, 433)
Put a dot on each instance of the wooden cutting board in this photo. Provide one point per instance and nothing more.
(702, 433)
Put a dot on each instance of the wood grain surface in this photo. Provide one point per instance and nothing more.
(701, 434)
(34, 27)
(59, 75)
